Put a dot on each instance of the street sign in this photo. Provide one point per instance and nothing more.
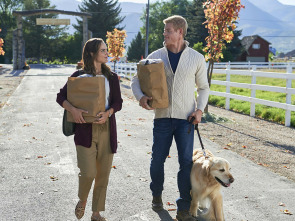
(52, 21)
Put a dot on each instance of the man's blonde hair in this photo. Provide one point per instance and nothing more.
(178, 22)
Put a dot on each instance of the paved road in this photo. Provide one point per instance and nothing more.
(38, 173)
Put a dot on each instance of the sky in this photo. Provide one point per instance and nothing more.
(286, 2)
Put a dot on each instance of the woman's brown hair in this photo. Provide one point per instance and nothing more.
(90, 51)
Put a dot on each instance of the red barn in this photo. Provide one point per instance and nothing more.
(256, 49)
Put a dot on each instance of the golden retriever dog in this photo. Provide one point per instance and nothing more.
(207, 176)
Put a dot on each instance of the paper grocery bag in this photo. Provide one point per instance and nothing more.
(152, 80)
(87, 93)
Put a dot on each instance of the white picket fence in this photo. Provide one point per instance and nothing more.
(127, 70)
(249, 65)
(288, 90)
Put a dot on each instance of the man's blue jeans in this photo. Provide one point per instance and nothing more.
(164, 131)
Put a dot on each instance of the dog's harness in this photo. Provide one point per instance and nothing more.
(197, 129)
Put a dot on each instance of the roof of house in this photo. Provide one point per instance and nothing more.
(247, 41)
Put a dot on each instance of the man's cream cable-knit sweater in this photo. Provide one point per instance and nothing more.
(191, 71)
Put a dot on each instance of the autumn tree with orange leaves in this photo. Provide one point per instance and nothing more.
(1, 45)
(221, 16)
(116, 47)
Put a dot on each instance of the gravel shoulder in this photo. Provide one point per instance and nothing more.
(265, 143)
(9, 81)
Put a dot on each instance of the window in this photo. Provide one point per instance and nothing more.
(256, 46)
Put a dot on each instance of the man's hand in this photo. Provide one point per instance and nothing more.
(144, 103)
(197, 115)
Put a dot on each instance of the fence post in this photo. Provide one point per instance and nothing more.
(227, 99)
(288, 96)
(253, 91)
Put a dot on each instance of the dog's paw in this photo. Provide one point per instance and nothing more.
(193, 212)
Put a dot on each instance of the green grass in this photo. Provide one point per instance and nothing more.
(261, 111)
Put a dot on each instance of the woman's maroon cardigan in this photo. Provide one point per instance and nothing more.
(83, 132)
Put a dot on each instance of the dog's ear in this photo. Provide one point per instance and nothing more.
(206, 167)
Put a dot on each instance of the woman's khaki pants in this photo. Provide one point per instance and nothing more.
(95, 163)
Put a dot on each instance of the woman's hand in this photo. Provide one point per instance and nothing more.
(76, 112)
(77, 115)
(101, 117)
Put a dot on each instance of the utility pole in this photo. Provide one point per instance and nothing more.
(147, 29)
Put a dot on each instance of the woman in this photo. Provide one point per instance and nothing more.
(97, 142)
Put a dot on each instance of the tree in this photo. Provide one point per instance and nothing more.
(158, 12)
(41, 40)
(220, 15)
(196, 19)
(6, 18)
(115, 41)
(136, 48)
(199, 48)
(234, 49)
(105, 16)
(1, 45)
(8, 23)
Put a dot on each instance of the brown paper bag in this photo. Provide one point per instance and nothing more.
(87, 93)
(152, 80)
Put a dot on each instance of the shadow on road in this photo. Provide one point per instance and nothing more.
(164, 215)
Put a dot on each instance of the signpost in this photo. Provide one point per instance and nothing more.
(52, 21)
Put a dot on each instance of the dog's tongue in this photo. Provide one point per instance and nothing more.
(228, 185)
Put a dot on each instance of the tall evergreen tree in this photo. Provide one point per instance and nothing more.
(136, 48)
(105, 16)
(158, 12)
(41, 41)
(196, 17)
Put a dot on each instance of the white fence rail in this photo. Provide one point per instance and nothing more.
(127, 70)
(249, 65)
(288, 90)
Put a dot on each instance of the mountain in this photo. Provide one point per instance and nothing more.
(277, 9)
(270, 19)
(132, 22)
(131, 11)
(256, 19)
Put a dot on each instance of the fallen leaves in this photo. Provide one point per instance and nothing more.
(171, 204)
(39, 157)
(263, 164)
(114, 167)
(28, 125)
(53, 178)
(287, 212)
(288, 151)
(171, 209)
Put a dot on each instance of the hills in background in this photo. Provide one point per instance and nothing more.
(271, 20)
(268, 18)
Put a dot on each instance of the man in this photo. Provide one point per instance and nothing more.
(184, 68)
